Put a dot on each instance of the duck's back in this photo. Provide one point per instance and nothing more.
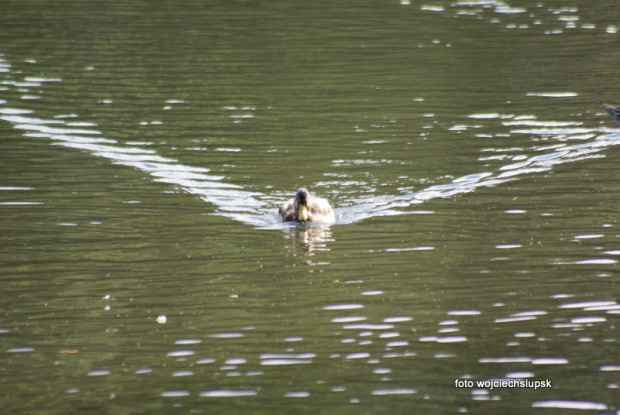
(322, 211)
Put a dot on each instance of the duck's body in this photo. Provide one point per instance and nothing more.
(307, 207)
(614, 111)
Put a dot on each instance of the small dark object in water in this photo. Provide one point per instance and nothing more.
(614, 111)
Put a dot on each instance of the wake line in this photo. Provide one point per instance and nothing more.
(259, 209)
(231, 199)
(536, 164)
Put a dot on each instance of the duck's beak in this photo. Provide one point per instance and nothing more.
(302, 213)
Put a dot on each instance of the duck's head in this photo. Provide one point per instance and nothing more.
(302, 204)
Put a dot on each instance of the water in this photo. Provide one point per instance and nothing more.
(146, 147)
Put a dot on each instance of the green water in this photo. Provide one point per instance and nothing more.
(146, 146)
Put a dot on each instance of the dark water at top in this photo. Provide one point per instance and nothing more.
(145, 147)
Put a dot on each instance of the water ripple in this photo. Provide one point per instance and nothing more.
(228, 393)
(567, 404)
(259, 209)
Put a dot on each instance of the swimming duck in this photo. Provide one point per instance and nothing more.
(307, 207)
(614, 111)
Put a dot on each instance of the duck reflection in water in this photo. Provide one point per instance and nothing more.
(305, 208)
(310, 238)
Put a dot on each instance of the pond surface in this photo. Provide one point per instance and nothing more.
(146, 147)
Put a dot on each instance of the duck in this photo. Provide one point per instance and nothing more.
(305, 207)
(614, 111)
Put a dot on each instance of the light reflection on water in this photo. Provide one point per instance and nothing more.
(257, 209)
(383, 341)
(382, 344)
(342, 343)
